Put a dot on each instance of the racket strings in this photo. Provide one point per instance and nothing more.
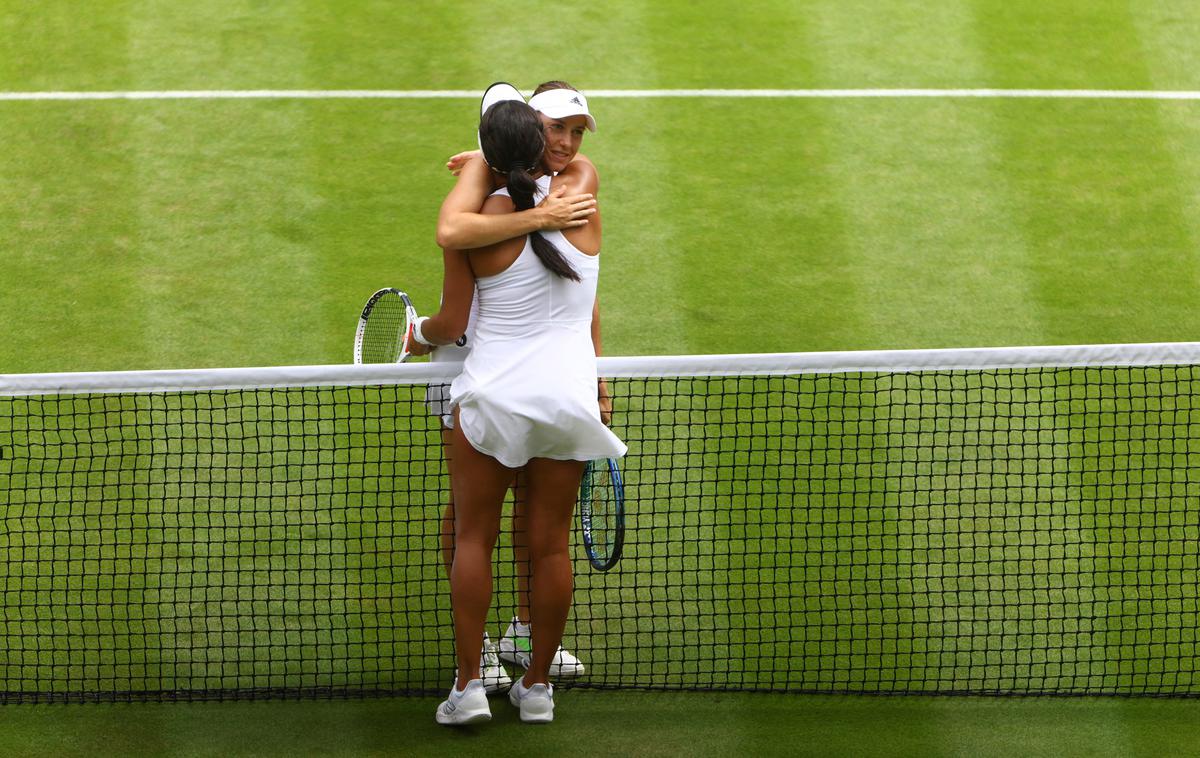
(603, 515)
(600, 506)
(383, 335)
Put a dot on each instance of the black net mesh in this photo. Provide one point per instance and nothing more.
(1017, 531)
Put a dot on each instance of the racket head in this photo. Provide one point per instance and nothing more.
(602, 512)
(384, 328)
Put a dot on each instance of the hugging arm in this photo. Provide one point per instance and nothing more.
(462, 227)
(458, 284)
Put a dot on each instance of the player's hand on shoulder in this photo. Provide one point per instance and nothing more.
(566, 211)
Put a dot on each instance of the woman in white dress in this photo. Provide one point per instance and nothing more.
(527, 397)
(565, 117)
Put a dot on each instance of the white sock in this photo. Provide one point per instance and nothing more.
(519, 628)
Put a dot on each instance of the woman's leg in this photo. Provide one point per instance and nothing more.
(446, 538)
(520, 550)
(479, 485)
(520, 543)
(551, 489)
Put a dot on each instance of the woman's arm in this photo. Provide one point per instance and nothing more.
(581, 176)
(458, 289)
(601, 385)
(596, 327)
(462, 227)
(458, 283)
(581, 173)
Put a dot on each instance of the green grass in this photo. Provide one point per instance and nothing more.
(619, 723)
(156, 234)
(178, 234)
(208, 235)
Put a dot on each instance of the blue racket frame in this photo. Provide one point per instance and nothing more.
(601, 561)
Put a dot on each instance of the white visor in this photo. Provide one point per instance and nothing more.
(497, 93)
(563, 103)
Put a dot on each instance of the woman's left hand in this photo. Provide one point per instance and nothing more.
(605, 402)
(417, 349)
(457, 161)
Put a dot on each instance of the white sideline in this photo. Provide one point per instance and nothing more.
(755, 364)
(283, 94)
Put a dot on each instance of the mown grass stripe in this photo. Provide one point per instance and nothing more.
(268, 94)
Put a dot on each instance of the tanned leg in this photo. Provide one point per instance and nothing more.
(551, 489)
(446, 538)
(520, 534)
(479, 485)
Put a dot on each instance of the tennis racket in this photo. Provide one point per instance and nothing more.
(602, 512)
(385, 328)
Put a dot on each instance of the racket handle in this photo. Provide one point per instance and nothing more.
(406, 344)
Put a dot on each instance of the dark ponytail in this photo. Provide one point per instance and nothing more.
(510, 134)
(521, 188)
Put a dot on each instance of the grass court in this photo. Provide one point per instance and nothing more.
(247, 232)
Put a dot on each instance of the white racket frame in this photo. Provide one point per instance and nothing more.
(410, 318)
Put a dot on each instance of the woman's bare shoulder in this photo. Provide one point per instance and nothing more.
(579, 176)
(494, 258)
(496, 205)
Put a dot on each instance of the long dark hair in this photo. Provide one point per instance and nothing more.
(510, 134)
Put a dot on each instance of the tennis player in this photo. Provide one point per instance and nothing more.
(462, 226)
(525, 398)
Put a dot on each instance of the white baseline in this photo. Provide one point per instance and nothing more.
(358, 94)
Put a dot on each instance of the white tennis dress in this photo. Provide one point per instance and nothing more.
(528, 386)
(437, 396)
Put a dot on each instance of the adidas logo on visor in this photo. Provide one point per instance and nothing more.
(576, 101)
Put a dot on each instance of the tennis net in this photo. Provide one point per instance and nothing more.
(991, 521)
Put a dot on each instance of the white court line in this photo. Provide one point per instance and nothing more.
(267, 94)
(250, 94)
(1080, 94)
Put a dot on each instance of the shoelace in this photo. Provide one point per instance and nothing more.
(491, 656)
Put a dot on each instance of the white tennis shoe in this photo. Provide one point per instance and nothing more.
(467, 707)
(516, 646)
(491, 673)
(536, 702)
